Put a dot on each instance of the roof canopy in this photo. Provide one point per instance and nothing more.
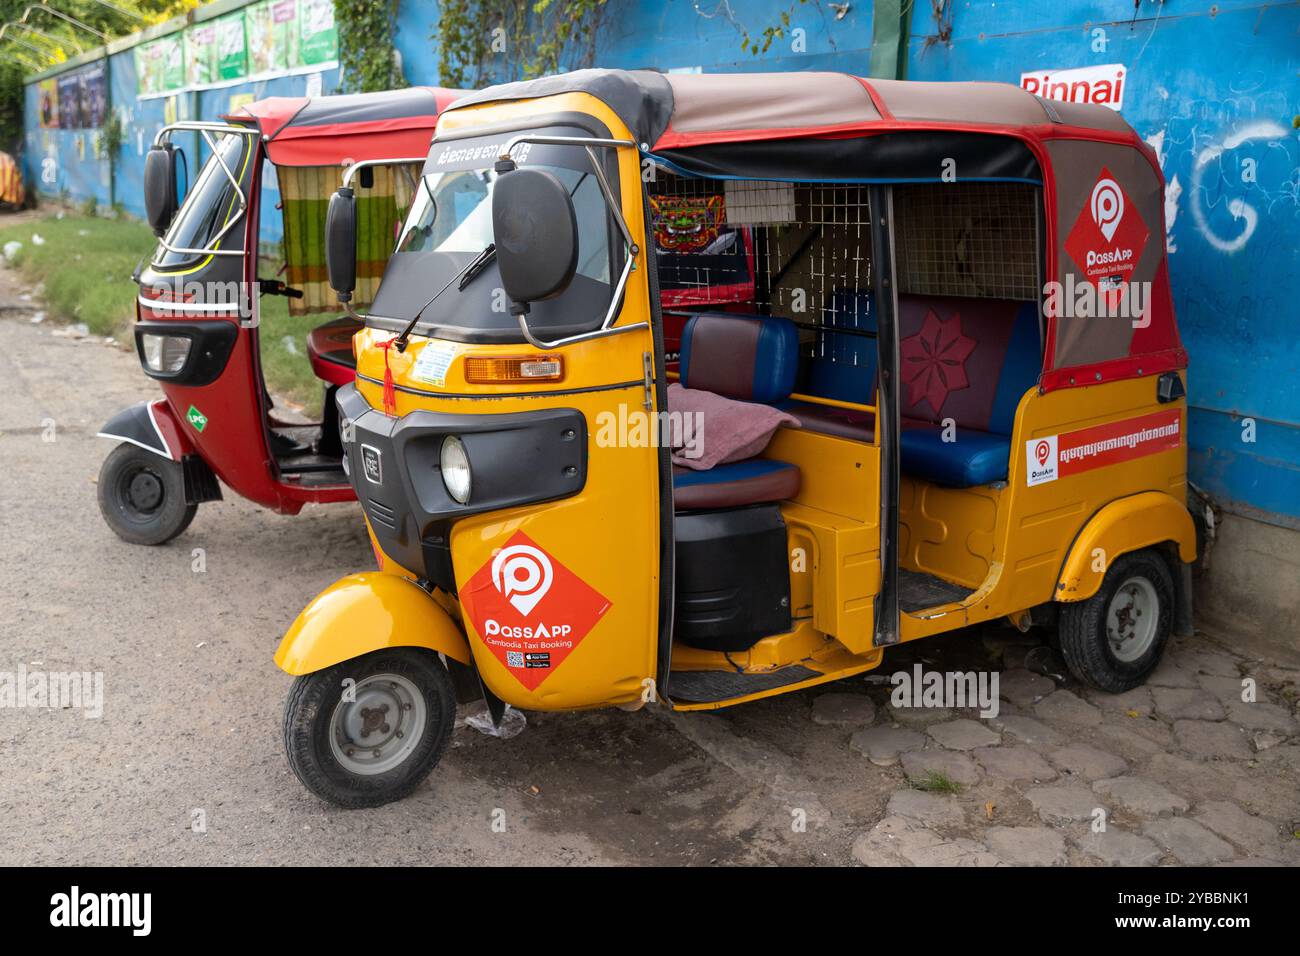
(328, 130)
(676, 110)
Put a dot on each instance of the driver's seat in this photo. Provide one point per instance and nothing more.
(329, 349)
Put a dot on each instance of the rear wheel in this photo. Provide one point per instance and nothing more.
(142, 496)
(1114, 639)
(367, 731)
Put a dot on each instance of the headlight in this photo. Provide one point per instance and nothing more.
(455, 468)
(165, 353)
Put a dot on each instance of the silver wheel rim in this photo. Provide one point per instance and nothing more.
(1131, 619)
(380, 726)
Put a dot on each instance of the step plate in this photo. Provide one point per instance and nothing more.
(708, 686)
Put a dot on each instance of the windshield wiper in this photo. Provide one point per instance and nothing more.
(475, 266)
(475, 269)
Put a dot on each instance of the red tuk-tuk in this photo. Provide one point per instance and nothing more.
(198, 311)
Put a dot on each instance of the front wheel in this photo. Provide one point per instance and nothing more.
(1114, 639)
(142, 496)
(367, 731)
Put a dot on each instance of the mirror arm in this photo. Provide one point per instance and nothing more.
(206, 130)
(585, 336)
(605, 326)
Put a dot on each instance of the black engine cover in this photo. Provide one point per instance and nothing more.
(733, 578)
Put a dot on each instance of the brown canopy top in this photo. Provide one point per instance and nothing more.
(668, 111)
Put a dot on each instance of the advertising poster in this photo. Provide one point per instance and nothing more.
(264, 39)
(271, 28)
(201, 55)
(232, 54)
(69, 101)
(48, 95)
(319, 41)
(160, 65)
(93, 95)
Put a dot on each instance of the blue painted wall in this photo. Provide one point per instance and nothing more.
(1215, 88)
(66, 163)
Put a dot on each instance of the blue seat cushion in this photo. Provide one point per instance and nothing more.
(749, 482)
(975, 458)
(751, 358)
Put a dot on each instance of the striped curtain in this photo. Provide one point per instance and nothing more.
(305, 193)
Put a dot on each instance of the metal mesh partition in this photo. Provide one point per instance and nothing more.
(803, 251)
(971, 239)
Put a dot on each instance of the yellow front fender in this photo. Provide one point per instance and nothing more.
(1138, 521)
(363, 613)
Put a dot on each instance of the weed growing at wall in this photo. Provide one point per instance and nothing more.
(485, 41)
(365, 30)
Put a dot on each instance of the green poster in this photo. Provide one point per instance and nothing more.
(173, 58)
(319, 43)
(201, 55)
(271, 28)
(160, 65)
(232, 54)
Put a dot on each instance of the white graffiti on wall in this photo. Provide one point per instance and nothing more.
(1173, 190)
(1211, 157)
(1238, 208)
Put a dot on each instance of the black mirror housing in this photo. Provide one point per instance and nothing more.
(341, 242)
(160, 199)
(535, 230)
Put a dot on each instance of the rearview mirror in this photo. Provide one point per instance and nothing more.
(536, 234)
(160, 198)
(341, 242)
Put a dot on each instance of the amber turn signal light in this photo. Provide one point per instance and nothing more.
(514, 369)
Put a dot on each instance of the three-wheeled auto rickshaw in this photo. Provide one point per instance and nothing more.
(198, 311)
(929, 281)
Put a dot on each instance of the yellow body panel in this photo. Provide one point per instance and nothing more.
(363, 613)
(1122, 526)
(607, 534)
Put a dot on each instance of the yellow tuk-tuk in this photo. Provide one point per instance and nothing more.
(689, 390)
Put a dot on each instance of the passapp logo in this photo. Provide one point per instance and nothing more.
(1107, 239)
(1107, 206)
(529, 610)
(1040, 456)
(523, 575)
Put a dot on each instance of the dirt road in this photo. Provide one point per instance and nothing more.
(190, 729)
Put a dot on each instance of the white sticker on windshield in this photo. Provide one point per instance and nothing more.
(433, 361)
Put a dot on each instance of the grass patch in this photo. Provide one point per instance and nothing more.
(936, 781)
(85, 265)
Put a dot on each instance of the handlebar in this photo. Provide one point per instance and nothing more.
(276, 287)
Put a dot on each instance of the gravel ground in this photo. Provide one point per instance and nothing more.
(1182, 771)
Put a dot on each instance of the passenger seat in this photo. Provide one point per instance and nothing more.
(749, 358)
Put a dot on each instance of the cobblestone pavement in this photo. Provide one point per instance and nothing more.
(1180, 771)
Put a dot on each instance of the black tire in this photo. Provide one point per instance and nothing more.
(309, 724)
(142, 496)
(1083, 633)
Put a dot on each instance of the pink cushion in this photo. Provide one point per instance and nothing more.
(709, 430)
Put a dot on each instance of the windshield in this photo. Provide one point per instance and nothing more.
(450, 223)
(208, 206)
